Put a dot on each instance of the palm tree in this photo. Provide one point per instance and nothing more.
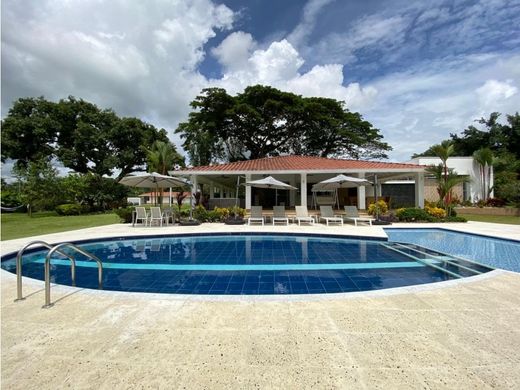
(446, 181)
(161, 158)
(444, 150)
(484, 158)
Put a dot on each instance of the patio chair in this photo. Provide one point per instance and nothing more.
(256, 215)
(327, 214)
(140, 215)
(279, 215)
(302, 215)
(352, 214)
(169, 215)
(156, 215)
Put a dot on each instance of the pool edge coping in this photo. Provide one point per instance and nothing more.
(68, 290)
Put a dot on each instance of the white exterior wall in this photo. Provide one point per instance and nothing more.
(463, 166)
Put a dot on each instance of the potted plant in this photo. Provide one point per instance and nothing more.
(236, 216)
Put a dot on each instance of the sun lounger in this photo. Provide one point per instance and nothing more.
(279, 215)
(302, 215)
(156, 215)
(256, 215)
(140, 215)
(327, 214)
(352, 214)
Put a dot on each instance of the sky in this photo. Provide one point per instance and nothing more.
(417, 70)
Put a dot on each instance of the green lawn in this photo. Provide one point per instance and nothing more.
(492, 218)
(18, 225)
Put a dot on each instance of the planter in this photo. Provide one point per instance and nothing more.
(380, 222)
(235, 221)
(189, 222)
(503, 211)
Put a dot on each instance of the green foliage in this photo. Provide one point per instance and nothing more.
(414, 214)
(162, 156)
(125, 214)
(99, 193)
(10, 195)
(237, 212)
(69, 209)
(263, 121)
(454, 218)
(435, 212)
(40, 186)
(200, 213)
(77, 133)
(381, 207)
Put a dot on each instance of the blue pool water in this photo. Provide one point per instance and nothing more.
(497, 253)
(244, 264)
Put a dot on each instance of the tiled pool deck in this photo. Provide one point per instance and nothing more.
(462, 334)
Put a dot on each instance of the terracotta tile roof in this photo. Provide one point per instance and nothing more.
(297, 163)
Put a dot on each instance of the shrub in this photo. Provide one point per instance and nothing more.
(237, 211)
(436, 212)
(125, 213)
(455, 219)
(413, 215)
(221, 214)
(378, 208)
(495, 202)
(200, 213)
(69, 209)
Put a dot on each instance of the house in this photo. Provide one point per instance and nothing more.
(224, 182)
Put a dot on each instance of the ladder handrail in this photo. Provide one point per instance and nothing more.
(19, 257)
(48, 268)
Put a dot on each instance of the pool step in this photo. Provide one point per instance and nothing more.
(452, 265)
(429, 262)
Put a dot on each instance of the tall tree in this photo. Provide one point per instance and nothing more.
(484, 158)
(263, 121)
(79, 134)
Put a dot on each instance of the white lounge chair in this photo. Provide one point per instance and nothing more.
(256, 215)
(156, 215)
(140, 215)
(302, 215)
(279, 215)
(327, 214)
(352, 214)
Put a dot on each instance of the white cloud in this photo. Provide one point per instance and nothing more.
(233, 52)
(278, 65)
(310, 12)
(493, 92)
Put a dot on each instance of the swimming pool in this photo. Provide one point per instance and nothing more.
(232, 264)
(495, 252)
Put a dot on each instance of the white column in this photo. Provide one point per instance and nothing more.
(248, 193)
(303, 184)
(491, 180)
(419, 190)
(292, 193)
(212, 190)
(361, 194)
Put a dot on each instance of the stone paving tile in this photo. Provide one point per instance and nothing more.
(390, 378)
(502, 376)
(450, 378)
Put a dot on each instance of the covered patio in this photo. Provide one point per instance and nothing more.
(224, 182)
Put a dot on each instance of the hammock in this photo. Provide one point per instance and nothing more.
(11, 209)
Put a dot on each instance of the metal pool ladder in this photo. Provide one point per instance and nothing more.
(52, 250)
